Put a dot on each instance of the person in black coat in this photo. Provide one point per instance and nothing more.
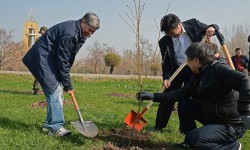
(179, 35)
(213, 83)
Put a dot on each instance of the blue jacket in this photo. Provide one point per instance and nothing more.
(52, 56)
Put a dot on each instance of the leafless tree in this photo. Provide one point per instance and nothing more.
(94, 60)
(8, 48)
(236, 36)
(134, 23)
(78, 66)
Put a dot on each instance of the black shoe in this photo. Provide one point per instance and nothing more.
(156, 129)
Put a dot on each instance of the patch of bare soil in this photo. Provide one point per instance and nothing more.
(121, 95)
(118, 139)
(43, 104)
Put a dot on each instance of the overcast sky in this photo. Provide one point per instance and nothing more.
(114, 31)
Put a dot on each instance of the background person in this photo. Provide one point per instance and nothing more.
(36, 86)
(240, 61)
(50, 60)
(179, 35)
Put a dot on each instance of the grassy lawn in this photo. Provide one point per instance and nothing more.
(104, 101)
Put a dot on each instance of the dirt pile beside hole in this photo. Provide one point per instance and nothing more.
(118, 139)
(43, 104)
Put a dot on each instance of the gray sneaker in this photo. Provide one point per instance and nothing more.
(60, 132)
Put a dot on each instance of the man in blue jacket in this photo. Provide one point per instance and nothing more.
(50, 60)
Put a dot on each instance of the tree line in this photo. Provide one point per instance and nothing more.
(104, 59)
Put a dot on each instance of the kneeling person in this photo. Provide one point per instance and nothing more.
(213, 83)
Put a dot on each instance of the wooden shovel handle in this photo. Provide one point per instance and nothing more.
(170, 80)
(177, 72)
(144, 111)
(74, 100)
(227, 55)
(224, 47)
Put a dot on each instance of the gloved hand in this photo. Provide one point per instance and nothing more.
(144, 95)
(246, 121)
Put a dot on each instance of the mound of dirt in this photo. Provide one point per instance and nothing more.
(43, 104)
(122, 137)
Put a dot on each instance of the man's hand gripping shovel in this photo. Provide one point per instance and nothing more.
(135, 120)
(86, 128)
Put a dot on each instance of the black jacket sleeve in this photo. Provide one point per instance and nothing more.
(181, 93)
(166, 68)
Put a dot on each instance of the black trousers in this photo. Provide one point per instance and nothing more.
(165, 109)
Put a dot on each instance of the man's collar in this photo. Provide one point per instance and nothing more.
(183, 29)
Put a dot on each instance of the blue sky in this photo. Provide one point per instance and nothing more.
(114, 31)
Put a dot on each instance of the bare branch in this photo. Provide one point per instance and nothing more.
(128, 24)
(132, 13)
(131, 20)
(167, 8)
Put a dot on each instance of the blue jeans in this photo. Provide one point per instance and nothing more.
(55, 117)
(214, 137)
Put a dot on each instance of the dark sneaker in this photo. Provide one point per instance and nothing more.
(156, 129)
(60, 132)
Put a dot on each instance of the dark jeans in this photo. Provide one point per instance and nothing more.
(36, 86)
(214, 137)
(189, 111)
(165, 109)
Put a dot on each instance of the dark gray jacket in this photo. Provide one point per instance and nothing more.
(214, 88)
(52, 56)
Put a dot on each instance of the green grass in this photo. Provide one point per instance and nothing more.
(20, 123)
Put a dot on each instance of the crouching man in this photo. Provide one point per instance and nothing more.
(213, 84)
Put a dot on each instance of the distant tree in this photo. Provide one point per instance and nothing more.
(95, 58)
(78, 66)
(236, 36)
(112, 60)
(8, 48)
(155, 67)
(128, 62)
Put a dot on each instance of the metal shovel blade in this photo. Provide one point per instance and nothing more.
(89, 129)
(131, 120)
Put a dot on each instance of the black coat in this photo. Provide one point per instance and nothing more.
(214, 87)
(195, 30)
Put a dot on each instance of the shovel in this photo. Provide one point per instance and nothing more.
(135, 120)
(86, 128)
(224, 48)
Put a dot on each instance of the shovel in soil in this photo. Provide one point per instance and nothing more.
(135, 120)
(86, 128)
